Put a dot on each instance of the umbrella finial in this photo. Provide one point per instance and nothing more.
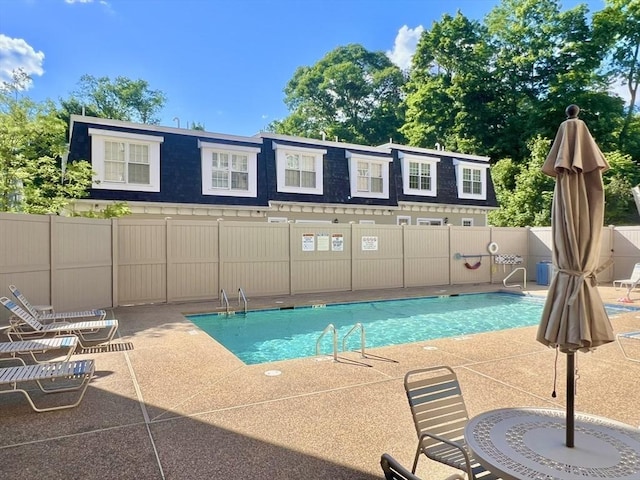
(572, 111)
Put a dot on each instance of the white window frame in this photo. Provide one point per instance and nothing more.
(403, 220)
(354, 158)
(281, 165)
(277, 220)
(367, 222)
(407, 159)
(460, 166)
(430, 221)
(466, 222)
(98, 139)
(206, 150)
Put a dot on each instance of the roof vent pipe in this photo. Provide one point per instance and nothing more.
(324, 135)
(177, 120)
(438, 146)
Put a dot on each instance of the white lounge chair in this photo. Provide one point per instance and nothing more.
(39, 346)
(88, 332)
(631, 336)
(54, 377)
(44, 317)
(629, 283)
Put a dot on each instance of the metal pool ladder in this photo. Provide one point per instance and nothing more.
(242, 297)
(524, 281)
(329, 328)
(362, 338)
(224, 301)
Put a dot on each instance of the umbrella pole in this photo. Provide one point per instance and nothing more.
(570, 398)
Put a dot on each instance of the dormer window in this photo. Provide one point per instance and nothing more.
(299, 169)
(229, 170)
(471, 179)
(419, 175)
(125, 161)
(369, 175)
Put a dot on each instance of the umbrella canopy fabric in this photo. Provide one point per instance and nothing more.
(574, 317)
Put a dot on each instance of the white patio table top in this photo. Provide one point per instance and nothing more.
(529, 444)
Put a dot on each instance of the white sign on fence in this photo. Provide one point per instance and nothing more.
(369, 243)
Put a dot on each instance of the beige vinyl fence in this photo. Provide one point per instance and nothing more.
(74, 263)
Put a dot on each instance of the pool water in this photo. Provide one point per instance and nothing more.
(270, 335)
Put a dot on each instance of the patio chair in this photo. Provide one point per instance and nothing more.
(394, 471)
(440, 416)
(43, 317)
(634, 336)
(629, 283)
(88, 332)
(39, 346)
(54, 377)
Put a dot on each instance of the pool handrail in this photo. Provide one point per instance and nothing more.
(242, 297)
(362, 338)
(329, 328)
(224, 300)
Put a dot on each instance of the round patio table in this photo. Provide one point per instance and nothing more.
(529, 444)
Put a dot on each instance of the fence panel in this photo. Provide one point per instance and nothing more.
(192, 260)
(474, 266)
(25, 257)
(511, 242)
(377, 257)
(320, 258)
(254, 257)
(142, 261)
(81, 269)
(426, 256)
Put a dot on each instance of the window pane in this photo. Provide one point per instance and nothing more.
(239, 163)
(139, 153)
(363, 184)
(308, 179)
(376, 170)
(138, 173)
(307, 163)
(219, 179)
(114, 171)
(239, 181)
(425, 183)
(292, 178)
(114, 151)
(293, 162)
(376, 185)
(413, 181)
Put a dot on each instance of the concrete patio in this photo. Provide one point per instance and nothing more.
(175, 404)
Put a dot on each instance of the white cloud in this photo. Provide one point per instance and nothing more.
(404, 46)
(16, 53)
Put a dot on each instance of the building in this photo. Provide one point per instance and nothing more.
(180, 173)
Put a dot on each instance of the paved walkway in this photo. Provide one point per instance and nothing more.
(170, 403)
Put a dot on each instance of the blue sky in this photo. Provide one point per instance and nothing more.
(221, 63)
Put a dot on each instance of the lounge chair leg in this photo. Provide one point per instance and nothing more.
(415, 461)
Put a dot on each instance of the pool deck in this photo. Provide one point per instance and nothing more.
(168, 402)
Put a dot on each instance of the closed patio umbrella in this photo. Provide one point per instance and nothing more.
(574, 318)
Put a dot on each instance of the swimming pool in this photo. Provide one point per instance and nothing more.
(269, 335)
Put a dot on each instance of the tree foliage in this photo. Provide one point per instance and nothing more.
(618, 25)
(350, 94)
(32, 145)
(119, 99)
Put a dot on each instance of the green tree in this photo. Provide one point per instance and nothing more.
(351, 93)
(32, 145)
(119, 99)
(620, 208)
(528, 203)
(618, 25)
(449, 92)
